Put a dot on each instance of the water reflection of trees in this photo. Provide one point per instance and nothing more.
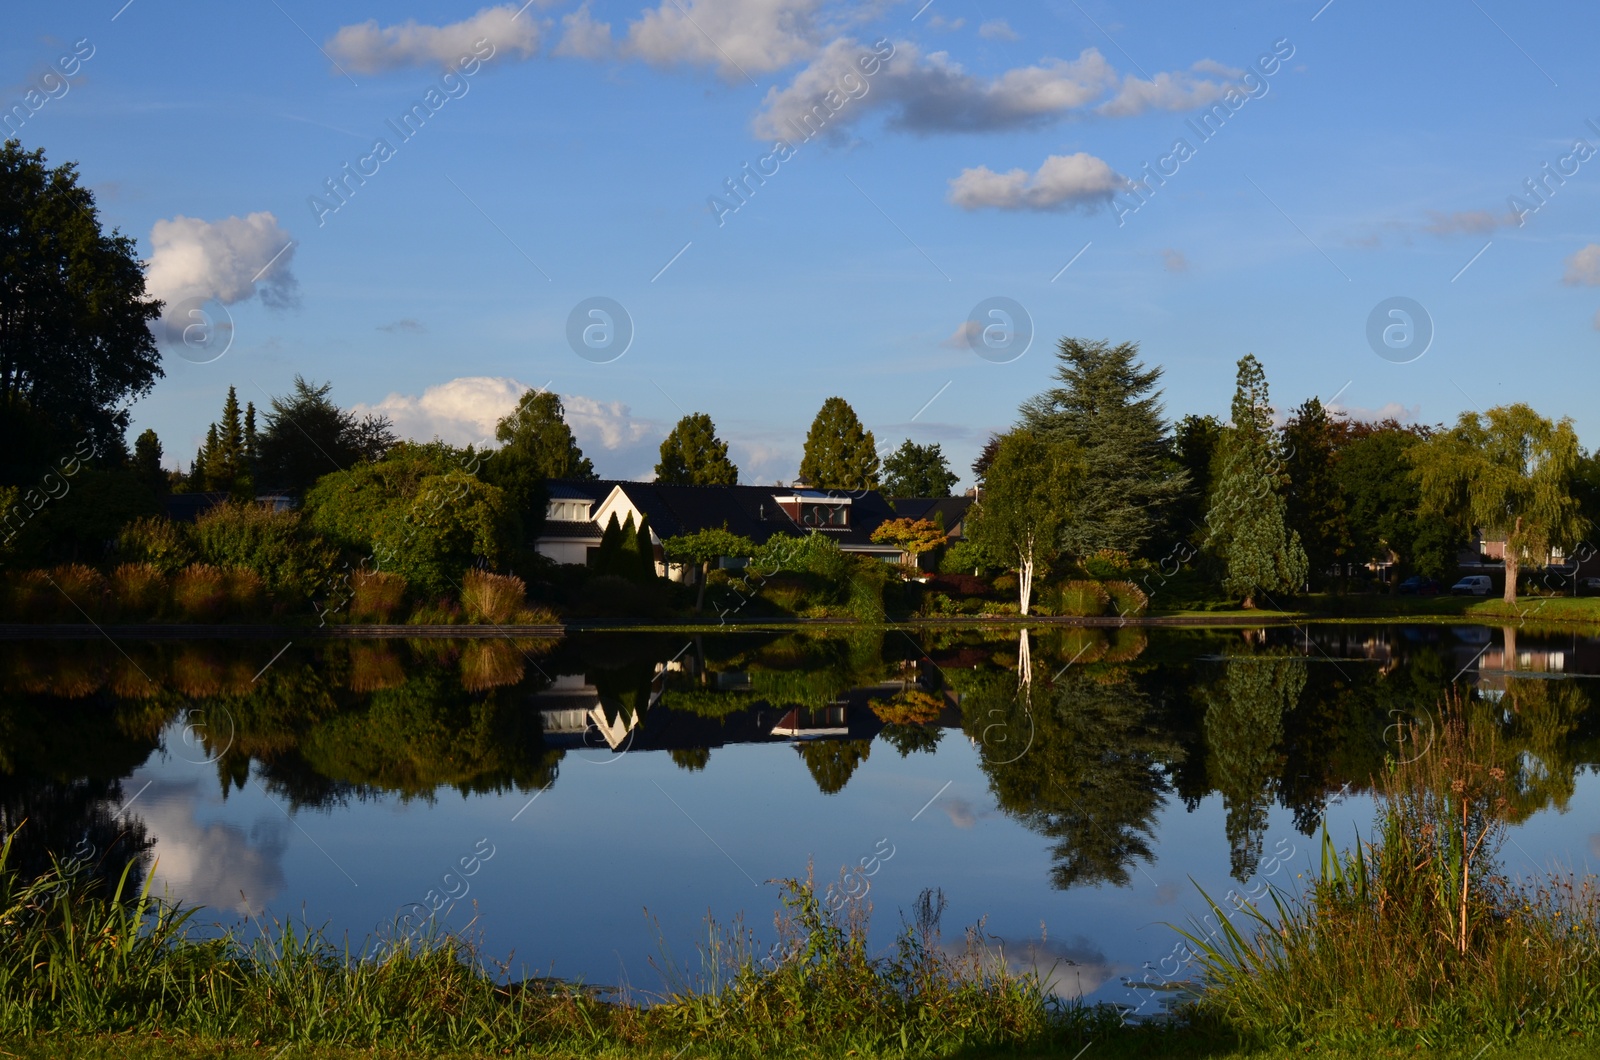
(1244, 718)
(1083, 733)
(1077, 751)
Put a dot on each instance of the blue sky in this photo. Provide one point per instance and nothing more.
(989, 150)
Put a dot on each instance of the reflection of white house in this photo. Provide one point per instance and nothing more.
(807, 723)
(572, 712)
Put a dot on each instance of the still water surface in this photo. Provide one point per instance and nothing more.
(586, 803)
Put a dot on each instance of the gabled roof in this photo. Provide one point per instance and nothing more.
(954, 509)
(752, 511)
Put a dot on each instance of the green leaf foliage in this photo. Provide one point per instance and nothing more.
(1107, 405)
(1028, 496)
(76, 345)
(917, 471)
(840, 453)
(416, 513)
(308, 436)
(1509, 472)
(1248, 530)
(693, 455)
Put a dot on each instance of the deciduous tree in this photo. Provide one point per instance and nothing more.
(75, 341)
(917, 471)
(1028, 494)
(1508, 472)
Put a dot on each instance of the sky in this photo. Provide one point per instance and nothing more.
(743, 207)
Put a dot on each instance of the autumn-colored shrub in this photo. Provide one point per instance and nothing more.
(1127, 599)
(495, 599)
(139, 591)
(1081, 599)
(487, 664)
(376, 596)
(200, 593)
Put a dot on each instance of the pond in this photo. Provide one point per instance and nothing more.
(583, 805)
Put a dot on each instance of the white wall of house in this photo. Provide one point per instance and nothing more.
(564, 550)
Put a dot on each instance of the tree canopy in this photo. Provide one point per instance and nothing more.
(308, 436)
(1510, 473)
(75, 339)
(693, 455)
(536, 445)
(1315, 507)
(840, 453)
(917, 471)
(1108, 406)
(1028, 495)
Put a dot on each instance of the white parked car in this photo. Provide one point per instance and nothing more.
(1472, 585)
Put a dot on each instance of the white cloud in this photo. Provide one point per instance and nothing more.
(929, 93)
(464, 411)
(212, 863)
(1169, 91)
(1060, 182)
(611, 424)
(228, 260)
(582, 37)
(1174, 260)
(997, 29)
(1392, 410)
(368, 48)
(1584, 266)
(735, 37)
(946, 25)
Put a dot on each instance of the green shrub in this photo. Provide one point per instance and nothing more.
(962, 557)
(157, 541)
(1106, 563)
(275, 545)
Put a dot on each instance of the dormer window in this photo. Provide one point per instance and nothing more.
(825, 515)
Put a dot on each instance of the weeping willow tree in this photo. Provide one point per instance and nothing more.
(1508, 472)
(1244, 731)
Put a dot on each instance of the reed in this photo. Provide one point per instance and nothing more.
(1416, 935)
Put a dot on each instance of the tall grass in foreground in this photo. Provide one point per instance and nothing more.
(1415, 936)
(77, 959)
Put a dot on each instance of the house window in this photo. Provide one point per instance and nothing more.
(824, 515)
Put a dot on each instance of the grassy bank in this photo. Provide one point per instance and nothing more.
(1413, 942)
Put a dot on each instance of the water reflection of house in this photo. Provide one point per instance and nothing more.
(1495, 660)
(574, 713)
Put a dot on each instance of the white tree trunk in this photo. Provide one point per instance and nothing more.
(1025, 576)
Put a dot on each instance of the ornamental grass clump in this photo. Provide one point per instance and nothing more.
(376, 596)
(1417, 935)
